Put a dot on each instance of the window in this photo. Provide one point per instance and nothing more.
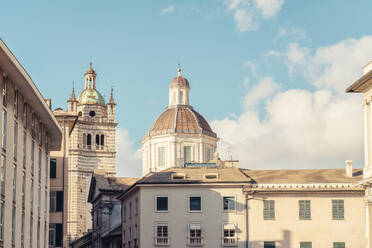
(97, 139)
(32, 157)
(161, 203)
(229, 235)
(23, 230)
(14, 182)
(89, 140)
(130, 210)
(161, 156)
(187, 154)
(46, 169)
(55, 234)
(38, 234)
(195, 238)
(269, 244)
(195, 203)
(5, 90)
(2, 175)
(136, 206)
(130, 233)
(15, 143)
(305, 245)
(269, 209)
(3, 133)
(211, 176)
(15, 104)
(32, 195)
(338, 244)
(161, 230)
(208, 154)
(24, 114)
(24, 148)
(102, 140)
(40, 133)
(13, 224)
(304, 209)
(92, 113)
(1, 220)
(56, 201)
(338, 209)
(229, 203)
(53, 168)
(31, 229)
(178, 176)
(39, 167)
(125, 213)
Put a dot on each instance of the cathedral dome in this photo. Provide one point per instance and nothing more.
(91, 96)
(179, 81)
(181, 119)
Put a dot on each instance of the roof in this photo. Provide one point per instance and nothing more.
(179, 81)
(302, 176)
(362, 84)
(91, 96)
(18, 75)
(181, 119)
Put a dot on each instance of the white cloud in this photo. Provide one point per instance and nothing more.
(168, 10)
(300, 128)
(247, 13)
(292, 34)
(128, 160)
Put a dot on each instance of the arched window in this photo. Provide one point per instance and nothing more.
(89, 139)
(102, 140)
(97, 139)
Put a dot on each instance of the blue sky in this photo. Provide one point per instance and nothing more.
(227, 50)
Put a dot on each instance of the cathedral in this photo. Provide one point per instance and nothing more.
(89, 127)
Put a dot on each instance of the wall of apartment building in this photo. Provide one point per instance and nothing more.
(212, 217)
(287, 230)
(132, 220)
(23, 223)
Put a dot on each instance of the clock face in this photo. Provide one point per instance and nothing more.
(92, 113)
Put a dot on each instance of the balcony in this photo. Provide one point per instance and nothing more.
(161, 241)
(195, 241)
(229, 241)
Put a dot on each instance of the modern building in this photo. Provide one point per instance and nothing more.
(106, 211)
(29, 131)
(88, 143)
(180, 134)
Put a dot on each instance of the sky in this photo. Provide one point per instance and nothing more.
(269, 75)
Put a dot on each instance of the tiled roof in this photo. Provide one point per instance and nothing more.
(302, 176)
(113, 183)
(179, 81)
(181, 119)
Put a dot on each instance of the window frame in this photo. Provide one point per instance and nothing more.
(306, 244)
(165, 237)
(161, 162)
(303, 215)
(269, 244)
(189, 204)
(223, 203)
(339, 245)
(156, 204)
(338, 212)
(268, 214)
(224, 237)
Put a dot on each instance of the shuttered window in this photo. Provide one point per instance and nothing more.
(338, 244)
(269, 244)
(305, 245)
(304, 209)
(269, 209)
(338, 209)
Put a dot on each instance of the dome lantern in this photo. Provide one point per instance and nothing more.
(179, 89)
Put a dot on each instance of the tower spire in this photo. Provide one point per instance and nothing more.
(111, 100)
(179, 70)
(73, 97)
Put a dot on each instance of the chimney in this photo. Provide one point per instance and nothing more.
(367, 68)
(349, 168)
(49, 103)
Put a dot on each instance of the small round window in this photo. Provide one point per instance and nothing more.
(92, 113)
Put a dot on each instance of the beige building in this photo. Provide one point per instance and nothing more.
(88, 143)
(29, 131)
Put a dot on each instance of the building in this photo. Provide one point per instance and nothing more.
(106, 211)
(180, 134)
(88, 143)
(29, 131)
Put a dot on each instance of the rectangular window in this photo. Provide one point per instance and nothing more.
(23, 189)
(304, 209)
(24, 114)
(2, 175)
(229, 203)
(269, 209)
(31, 229)
(338, 209)
(338, 244)
(53, 168)
(13, 224)
(56, 201)
(23, 230)
(195, 203)
(3, 133)
(161, 234)
(229, 235)
(161, 156)
(187, 154)
(125, 213)
(52, 235)
(15, 143)
(38, 234)
(1, 220)
(24, 149)
(208, 154)
(305, 245)
(5, 90)
(195, 238)
(130, 210)
(269, 244)
(15, 104)
(14, 183)
(136, 207)
(161, 203)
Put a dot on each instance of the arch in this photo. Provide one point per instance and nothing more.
(89, 139)
(102, 140)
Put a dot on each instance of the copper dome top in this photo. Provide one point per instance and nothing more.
(181, 119)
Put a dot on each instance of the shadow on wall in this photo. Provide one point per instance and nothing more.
(284, 243)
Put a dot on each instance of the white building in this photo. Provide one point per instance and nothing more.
(180, 135)
(28, 132)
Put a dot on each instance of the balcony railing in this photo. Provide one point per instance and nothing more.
(195, 241)
(229, 241)
(161, 241)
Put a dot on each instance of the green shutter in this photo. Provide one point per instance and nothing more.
(269, 244)
(269, 209)
(338, 244)
(338, 209)
(305, 245)
(304, 209)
